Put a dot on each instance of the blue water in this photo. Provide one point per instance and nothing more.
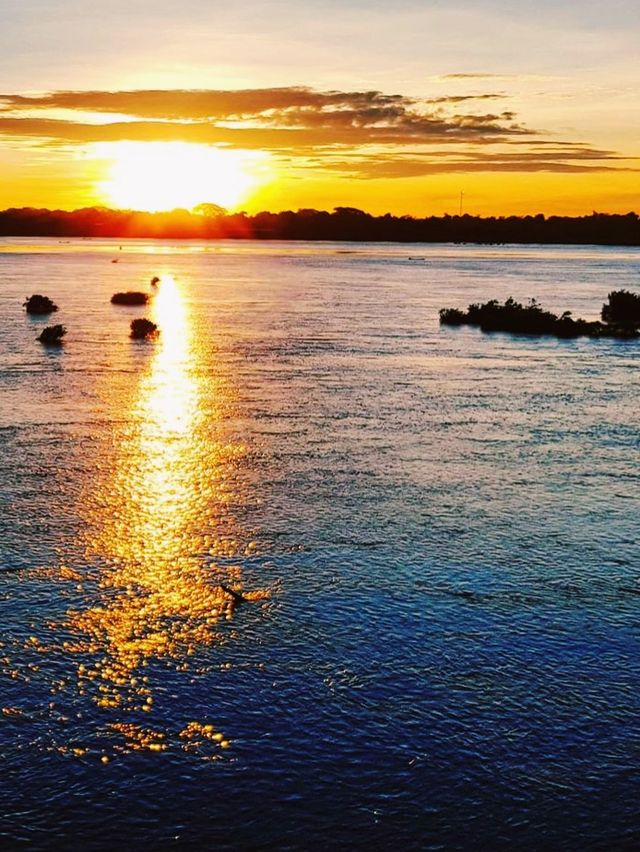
(436, 530)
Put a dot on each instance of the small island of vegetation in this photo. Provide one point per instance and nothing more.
(131, 297)
(142, 329)
(52, 335)
(620, 315)
(38, 304)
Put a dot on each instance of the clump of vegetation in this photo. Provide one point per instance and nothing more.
(530, 319)
(131, 297)
(143, 328)
(155, 281)
(453, 316)
(38, 304)
(622, 309)
(52, 335)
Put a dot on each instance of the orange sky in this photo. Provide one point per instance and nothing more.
(275, 107)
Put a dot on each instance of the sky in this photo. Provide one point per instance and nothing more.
(414, 107)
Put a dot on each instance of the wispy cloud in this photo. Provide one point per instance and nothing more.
(456, 99)
(420, 167)
(481, 75)
(193, 104)
(268, 118)
(365, 129)
(476, 76)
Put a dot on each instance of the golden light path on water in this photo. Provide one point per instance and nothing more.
(162, 507)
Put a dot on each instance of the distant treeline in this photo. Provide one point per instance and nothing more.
(344, 223)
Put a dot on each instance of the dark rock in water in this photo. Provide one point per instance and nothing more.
(622, 309)
(155, 281)
(131, 297)
(530, 319)
(52, 335)
(38, 304)
(143, 328)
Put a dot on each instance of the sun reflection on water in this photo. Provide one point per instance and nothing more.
(163, 513)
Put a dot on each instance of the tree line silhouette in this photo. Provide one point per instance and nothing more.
(344, 223)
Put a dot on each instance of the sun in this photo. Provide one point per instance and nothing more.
(165, 175)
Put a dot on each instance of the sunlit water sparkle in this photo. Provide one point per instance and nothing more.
(436, 531)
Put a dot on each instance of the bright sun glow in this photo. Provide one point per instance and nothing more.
(165, 175)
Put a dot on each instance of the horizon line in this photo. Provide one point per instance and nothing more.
(224, 213)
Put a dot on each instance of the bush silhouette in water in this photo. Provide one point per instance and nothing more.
(623, 309)
(530, 319)
(131, 297)
(453, 316)
(38, 304)
(52, 335)
(143, 328)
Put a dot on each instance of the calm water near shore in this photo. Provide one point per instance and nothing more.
(436, 531)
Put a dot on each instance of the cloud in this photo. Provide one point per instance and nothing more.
(559, 158)
(266, 118)
(456, 99)
(363, 129)
(328, 134)
(195, 104)
(478, 76)
(386, 169)
(221, 104)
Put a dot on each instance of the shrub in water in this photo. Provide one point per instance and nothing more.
(38, 304)
(142, 328)
(623, 309)
(52, 335)
(452, 316)
(131, 297)
(532, 319)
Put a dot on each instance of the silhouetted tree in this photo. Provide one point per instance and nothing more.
(623, 309)
(38, 304)
(142, 328)
(209, 210)
(52, 335)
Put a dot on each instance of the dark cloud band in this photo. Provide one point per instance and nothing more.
(307, 125)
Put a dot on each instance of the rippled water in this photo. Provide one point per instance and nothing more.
(435, 530)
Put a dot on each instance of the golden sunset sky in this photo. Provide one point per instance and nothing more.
(525, 107)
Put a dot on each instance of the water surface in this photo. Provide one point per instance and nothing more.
(436, 532)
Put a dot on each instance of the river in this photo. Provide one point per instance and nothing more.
(434, 532)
